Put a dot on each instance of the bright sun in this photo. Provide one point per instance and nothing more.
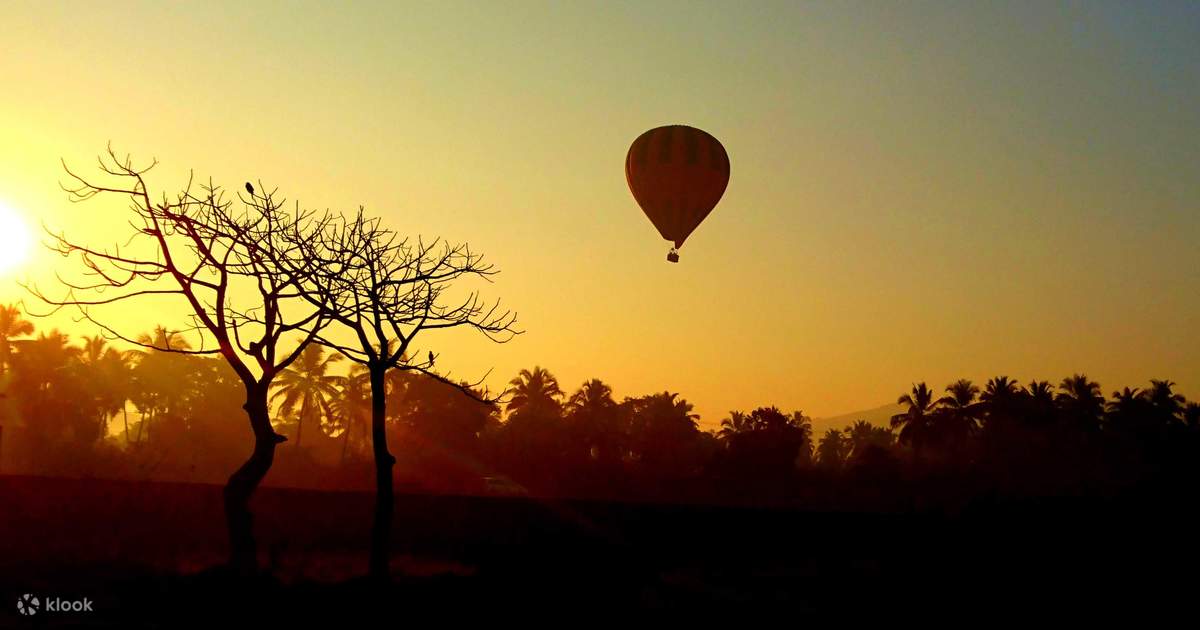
(14, 239)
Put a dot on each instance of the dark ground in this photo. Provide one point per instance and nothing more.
(145, 553)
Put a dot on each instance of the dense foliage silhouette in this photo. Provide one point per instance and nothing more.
(86, 407)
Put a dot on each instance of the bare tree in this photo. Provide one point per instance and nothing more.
(384, 291)
(221, 261)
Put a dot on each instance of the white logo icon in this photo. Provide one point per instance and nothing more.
(28, 604)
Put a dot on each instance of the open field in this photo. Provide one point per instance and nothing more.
(146, 553)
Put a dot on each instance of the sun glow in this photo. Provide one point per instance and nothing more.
(14, 239)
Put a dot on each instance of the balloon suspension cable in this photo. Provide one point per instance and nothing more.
(673, 255)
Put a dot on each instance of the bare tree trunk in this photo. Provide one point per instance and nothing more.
(385, 500)
(243, 553)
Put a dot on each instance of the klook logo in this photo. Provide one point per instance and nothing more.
(29, 604)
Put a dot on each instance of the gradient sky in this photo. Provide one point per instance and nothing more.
(919, 191)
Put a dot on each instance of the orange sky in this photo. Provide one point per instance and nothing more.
(924, 194)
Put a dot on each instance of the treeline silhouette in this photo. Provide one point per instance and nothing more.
(90, 408)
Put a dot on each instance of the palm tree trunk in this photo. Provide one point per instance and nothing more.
(325, 411)
(243, 553)
(346, 439)
(142, 424)
(385, 501)
(125, 417)
(300, 421)
(345, 443)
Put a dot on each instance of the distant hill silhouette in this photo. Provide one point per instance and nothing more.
(878, 416)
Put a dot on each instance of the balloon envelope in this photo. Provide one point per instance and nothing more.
(677, 174)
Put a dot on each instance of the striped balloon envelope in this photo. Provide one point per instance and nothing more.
(677, 174)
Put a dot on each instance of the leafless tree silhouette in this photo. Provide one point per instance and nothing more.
(384, 291)
(221, 259)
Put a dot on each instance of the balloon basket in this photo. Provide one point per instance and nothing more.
(673, 255)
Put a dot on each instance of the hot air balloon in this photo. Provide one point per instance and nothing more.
(677, 174)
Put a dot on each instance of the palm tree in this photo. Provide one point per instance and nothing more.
(1041, 392)
(1165, 402)
(1127, 409)
(165, 339)
(11, 325)
(107, 370)
(352, 405)
(962, 394)
(534, 392)
(768, 438)
(593, 397)
(1191, 415)
(1038, 404)
(859, 432)
(595, 421)
(736, 423)
(1125, 400)
(802, 424)
(50, 353)
(1000, 404)
(154, 391)
(92, 349)
(661, 426)
(668, 406)
(1082, 400)
(959, 410)
(833, 449)
(115, 369)
(766, 419)
(306, 383)
(863, 435)
(1000, 390)
(914, 423)
(45, 379)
